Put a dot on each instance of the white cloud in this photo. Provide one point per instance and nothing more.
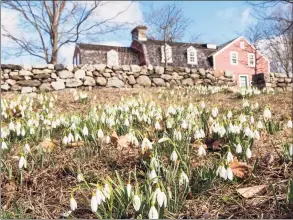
(227, 13)
(245, 16)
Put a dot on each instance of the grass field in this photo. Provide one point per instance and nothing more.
(147, 153)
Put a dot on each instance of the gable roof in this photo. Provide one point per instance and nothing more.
(222, 46)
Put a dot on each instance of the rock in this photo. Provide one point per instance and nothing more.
(16, 77)
(187, 82)
(30, 83)
(5, 87)
(47, 71)
(27, 77)
(40, 66)
(59, 67)
(280, 89)
(89, 73)
(26, 89)
(42, 76)
(187, 70)
(209, 76)
(115, 82)
(106, 74)
(135, 68)
(69, 67)
(48, 80)
(73, 82)
(166, 77)
(281, 80)
(45, 87)
(194, 76)
(281, 84)
(280, 75)
(150, 67)
(290, 75)
(131, 80)
(182, 73)
(159, 69)
(125, 67)
(14, 73)
(159, 81)
(79, 74)
(89, 81)
(16, 88)
(58, 85)
(143, 70)
(6, 71)
(11, 66)
(175, 75)
(193, 70)
(272, 74)
(169, 68)
(144, 81)
(51, 66)
(101, 81)
(11, 82)
(64, 74)
(116, 67)
(288, 80)
(27, 67)
(6, 76)
(25, 73)
(54, 75)
(228, 74)
(100, 67)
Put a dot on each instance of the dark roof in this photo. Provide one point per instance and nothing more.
(160, 42)
(102, 47)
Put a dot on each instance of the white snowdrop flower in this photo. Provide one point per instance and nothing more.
(65, 140)
(157, 126)
(251, 119)
(11, 126)
(215, 112)
(201, 151)
(94, 203)
(245, 104)
(247, 131)
(107, 191)
(248, 153)
(289, 124)
(153, 213)
(22, 162)
(202, 105)
(100, 196)
(153, 176)
(177, 135)
(201, 131)
(291, 150)
(146, 144)
(256, 134)
(259, 125)
(85, 131)
(108, 139)
(100, 134)
(22, 132)
(229, 173)
(161, 199)
(73, 204)
(223, 172)
(128, 189)
(126, 122)
(229, 157)
(136, 202)
(27, 148)
(242, 118)
(154, 163)
(184, 125)
(70, 138)
(169, 124)
(267, 114)
(238, 148)
(229, 115)
(32, 131)
(77, 137)
(174, 156)
(4, 145)
(80, 177)
(183, 179)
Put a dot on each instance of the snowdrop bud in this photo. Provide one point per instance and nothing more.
(252, 120)
(85, 131)
(201, 151)
(107, 191)
(238, 149)
(174, 156)
(229, 173)
(73, 204)
(22, 132)
(291, 150)
(80, 177)
(136, 202)
(161, 198)
(183, 179)
(100, 134)
(4, 146)
(153, 176)
(157, 126)
(289, 124)
(108, 139)
(65, 140)
(223, 173)
(245, 104)
(259, 125)
(128, 188)
(184, 125)
(256, 135)
(22, 162)
(248, 153)
(154, 162)
(229, 115)
(202, 105)
(153, 213)
(229, 157)
(267, 114)
(94, 203)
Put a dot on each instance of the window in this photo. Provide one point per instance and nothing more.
(191, 56)
(233, 58)
(112, 58)
(251, 60)
(242, 45)
(168, 50)
(243, 80)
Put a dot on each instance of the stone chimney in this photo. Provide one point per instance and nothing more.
(139, 33)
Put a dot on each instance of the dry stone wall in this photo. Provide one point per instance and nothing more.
(50, 77)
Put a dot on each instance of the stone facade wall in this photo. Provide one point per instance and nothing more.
(278, 81)
(50, 77)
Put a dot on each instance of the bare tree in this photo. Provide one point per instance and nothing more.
(56, 23)
(167, 24)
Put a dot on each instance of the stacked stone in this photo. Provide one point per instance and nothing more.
(50, 77)
(278, 81)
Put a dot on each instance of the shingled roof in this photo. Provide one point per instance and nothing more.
(103, 47)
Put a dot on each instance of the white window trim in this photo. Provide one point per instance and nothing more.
(239, 76)
(249, 54)
(233, 52)
(168, 47)
(189, 50)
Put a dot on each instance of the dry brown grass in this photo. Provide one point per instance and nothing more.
(45, 191)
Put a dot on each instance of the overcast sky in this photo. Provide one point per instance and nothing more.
(217, 21)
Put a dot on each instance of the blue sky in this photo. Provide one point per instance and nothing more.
(217, 21)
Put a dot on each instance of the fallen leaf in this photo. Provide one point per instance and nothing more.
(48, 145)
(76, 144)
(239, 169)
(123, 141)
(114, 137)
(250, 192)
(216, 146)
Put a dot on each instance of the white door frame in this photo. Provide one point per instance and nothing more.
(247, 77)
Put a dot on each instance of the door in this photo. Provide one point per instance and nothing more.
(243, 81)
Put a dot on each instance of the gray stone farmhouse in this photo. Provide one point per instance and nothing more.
(144, 51)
